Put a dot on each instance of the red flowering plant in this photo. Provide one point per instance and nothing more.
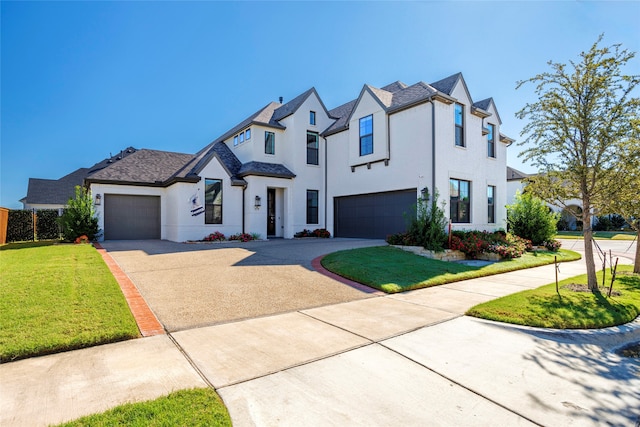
(243, 237)
(321, 232)
(471, 243)
(215, 237)
(81, 239)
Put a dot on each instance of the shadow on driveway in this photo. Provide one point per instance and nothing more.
(193, 285)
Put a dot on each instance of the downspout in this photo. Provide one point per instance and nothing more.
(244, 187)
(433, 147)
(326, 197)
(388, 138)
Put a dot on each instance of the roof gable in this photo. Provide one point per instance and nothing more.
(487, 105)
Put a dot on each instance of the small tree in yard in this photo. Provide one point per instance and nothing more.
(579, 130)
(428, 226)
(530, 218)
(79, 217)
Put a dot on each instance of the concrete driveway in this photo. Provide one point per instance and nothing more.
(194, 285)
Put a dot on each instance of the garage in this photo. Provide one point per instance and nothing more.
(131, 217)
(375, 215)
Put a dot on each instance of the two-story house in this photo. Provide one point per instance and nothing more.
(356, 170)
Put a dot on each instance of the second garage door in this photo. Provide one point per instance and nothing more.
(373, 216)
(128, 217)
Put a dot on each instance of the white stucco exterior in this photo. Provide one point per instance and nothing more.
(413, 148)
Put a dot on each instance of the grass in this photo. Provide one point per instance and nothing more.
(602, 235)
(542, 307)
(195, 407)
(57, 298)
(393, 270)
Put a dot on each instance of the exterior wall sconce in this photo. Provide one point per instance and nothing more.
(425, 194)
(258, 202)
(98, 199)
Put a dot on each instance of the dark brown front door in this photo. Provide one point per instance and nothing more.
(271, 211)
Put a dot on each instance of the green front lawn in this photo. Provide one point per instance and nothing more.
(542, 307)
(603, 235)
(57, 298)
(196, 407)
(393, 270)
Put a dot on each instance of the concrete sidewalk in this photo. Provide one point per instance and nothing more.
(408, 359)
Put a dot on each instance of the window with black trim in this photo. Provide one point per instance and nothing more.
(312, 148)
(459, 120)
(491, 141)
(247, 134)
(213, 201)
(269, 143)
(241, 136)
(491, 204)
(366, 135)
(312, 118)
(312, 206)
(459, 200)
(235, 140)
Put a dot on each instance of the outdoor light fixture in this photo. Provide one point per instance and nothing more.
(258, 202)
(98, 199)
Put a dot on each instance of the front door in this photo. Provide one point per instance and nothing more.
(271, 211)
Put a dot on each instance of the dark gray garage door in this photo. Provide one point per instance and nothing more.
(131, 217)
(373, 216)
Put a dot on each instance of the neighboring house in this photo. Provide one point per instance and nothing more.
(55, 193)
(516, 182)
(356, 170)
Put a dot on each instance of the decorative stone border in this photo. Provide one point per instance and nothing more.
(447, 254)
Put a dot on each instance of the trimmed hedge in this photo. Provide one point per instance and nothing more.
(20, 225)
(47, 227)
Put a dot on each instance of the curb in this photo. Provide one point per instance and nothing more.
(148, 323)
(317, 266)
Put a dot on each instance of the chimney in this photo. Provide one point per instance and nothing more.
(281, 99)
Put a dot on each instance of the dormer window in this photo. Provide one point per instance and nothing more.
(312, 118)
(459, 120)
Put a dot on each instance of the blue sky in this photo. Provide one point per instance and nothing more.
(81, 80)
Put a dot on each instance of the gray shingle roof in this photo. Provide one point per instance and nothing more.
(59, 191)
(265, 169)
(143, 167)
(484, 104)
(394, 87)
(227, 159)
(292, 106)
(447, 84)
(515, 174)
(342, 113)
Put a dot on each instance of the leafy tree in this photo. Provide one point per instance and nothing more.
(79, 217)
(578, 131)
(530, 218)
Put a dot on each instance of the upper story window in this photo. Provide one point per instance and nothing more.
(212, 201)
(366, 135)
(491, 204)
(459, 200)
(247, 134)
(491, 141)
(235, 140)
(312, 118)
(459, 120)
(241, 137)
(269, 143)
(312, 148)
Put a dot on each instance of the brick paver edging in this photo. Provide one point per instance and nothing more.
(147, 321)
(317, 266)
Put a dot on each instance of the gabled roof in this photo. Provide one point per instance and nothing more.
(225, 156)
(392, 98)
(485, 104)
(515, 174)
(150, 167)
(265, 169)
(447, 84)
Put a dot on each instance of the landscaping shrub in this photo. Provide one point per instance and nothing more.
(426, 228)
(47, 227)
(473, 243)
(215, 237)
(243, 237)
(79, 218)
(530, 218)
(609, 223)
(20, 225)
(552, 245)
(318, 232)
